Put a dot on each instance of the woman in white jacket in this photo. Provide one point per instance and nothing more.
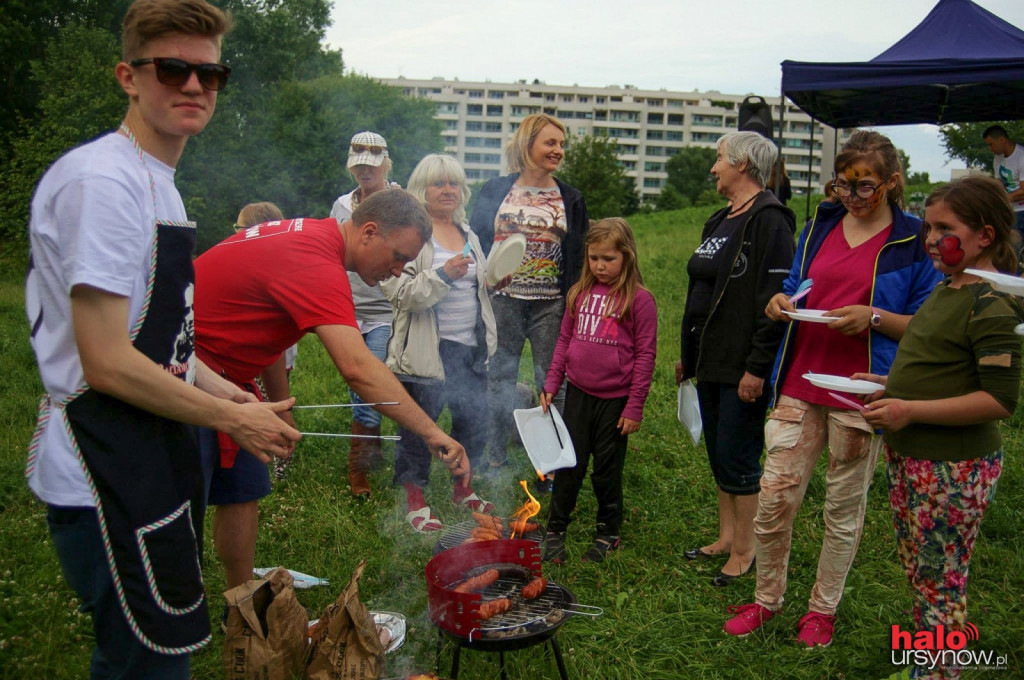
(442, 335)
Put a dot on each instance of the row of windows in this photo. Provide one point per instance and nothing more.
(480, 126)
(490, 158)
(486, 142)
(475, 174)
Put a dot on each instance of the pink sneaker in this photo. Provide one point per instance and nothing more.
(749, 617)
(815, 630)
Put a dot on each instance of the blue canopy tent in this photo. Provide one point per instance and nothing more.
(961, 64)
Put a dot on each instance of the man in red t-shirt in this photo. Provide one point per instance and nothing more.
(257, 293)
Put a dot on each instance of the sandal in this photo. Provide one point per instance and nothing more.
(475, 503)
(423, 521)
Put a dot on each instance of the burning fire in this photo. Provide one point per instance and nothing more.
(527, 510)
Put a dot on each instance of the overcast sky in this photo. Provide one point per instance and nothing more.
(733, 46)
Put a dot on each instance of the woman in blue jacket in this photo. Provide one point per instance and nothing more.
(870, 273)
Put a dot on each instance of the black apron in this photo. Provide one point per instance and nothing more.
(144, 470)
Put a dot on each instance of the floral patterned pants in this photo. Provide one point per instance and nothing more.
(937, 506)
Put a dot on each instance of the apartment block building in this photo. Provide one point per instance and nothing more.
(649, 126)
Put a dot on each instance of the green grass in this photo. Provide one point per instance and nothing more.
(662, 619)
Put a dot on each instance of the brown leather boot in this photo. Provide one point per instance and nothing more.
(373, 453)
(357, 467)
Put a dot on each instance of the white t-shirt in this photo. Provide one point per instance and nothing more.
(92, 223)
(1010, 171)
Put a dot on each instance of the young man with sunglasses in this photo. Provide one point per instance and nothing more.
(109, 299)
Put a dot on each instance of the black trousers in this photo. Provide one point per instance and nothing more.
(592, 424)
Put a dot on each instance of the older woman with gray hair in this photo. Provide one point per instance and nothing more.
(443, 333)
(728, 344)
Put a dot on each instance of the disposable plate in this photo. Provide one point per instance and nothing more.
(841, 384)
(505, 258)
(812, 315)
(395, 623)
(1006, 283)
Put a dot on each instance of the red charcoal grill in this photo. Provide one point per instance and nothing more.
(527, 623)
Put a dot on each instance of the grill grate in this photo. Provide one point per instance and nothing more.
(537, 614)
(454, 534)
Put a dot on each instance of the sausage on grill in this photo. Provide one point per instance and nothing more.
(478, 582)
(535, 588)
(492, 608)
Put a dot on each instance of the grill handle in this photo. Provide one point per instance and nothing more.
(583, 610)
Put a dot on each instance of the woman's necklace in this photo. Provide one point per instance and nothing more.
(740, 209)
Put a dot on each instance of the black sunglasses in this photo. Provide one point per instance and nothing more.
(176, 72)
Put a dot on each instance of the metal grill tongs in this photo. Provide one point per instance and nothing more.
(389, 437)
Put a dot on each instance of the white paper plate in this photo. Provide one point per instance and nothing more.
(1014, 285)
(395, 623)
(812, 315)
(841, 384)
(539, 439)
(505, 258)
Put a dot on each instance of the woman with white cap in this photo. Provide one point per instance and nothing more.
(370, 165)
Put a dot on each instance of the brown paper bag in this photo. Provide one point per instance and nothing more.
(345, 644)
(266, 630)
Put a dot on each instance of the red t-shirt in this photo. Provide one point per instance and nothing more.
(259, 291)
(842, 276)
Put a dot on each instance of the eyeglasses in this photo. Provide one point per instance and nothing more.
(176, 72)
(863, 189)
(362, 148)
(238, 227)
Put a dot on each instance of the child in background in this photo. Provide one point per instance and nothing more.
(606, 348)
(956, 374)
(251, 215)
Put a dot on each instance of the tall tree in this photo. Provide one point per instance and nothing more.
(293, 148)
(80, 100)
(592, 165)
(689, 175)
(963, 141)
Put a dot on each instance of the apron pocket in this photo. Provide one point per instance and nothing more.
(164, 547)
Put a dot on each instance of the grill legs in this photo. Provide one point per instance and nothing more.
(552, 645)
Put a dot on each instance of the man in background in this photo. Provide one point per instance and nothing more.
(1008, 168)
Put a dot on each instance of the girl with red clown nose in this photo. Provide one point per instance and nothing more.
(956, 375)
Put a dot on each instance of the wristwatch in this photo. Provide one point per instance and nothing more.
(876, 317)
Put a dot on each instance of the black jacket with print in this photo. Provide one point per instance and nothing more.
(737, 336)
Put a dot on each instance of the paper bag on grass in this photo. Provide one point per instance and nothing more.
(345, 643)
(266, 630)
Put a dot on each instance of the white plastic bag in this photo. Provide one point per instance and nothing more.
(689, 410)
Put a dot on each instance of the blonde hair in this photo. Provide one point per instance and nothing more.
(624, 289)
(149, 20)
(435, 167)
(518, 150)
(258, 213)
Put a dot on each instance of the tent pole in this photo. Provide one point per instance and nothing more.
(810, 170)
(782, 132)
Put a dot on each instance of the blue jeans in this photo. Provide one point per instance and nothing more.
(377, 342)
(118, 654)
(465, 381)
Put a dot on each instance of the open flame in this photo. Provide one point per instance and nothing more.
(527, 510)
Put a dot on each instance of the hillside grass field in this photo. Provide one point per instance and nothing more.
(662, 619)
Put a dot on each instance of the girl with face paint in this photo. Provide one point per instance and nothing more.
(871, 272)
(956, 374)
